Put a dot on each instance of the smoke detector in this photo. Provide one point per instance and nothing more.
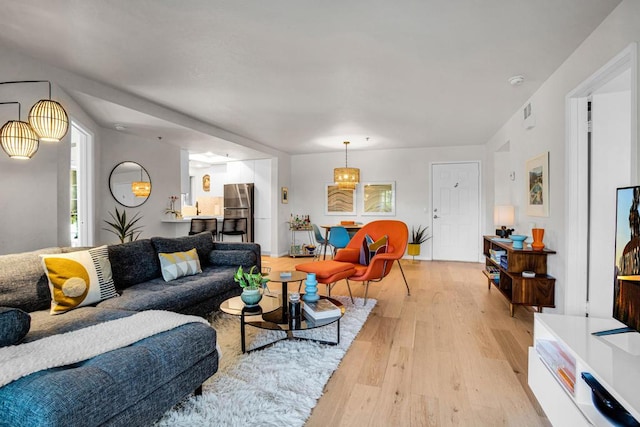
(516, 80)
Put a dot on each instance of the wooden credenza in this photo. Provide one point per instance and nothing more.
(538, 291)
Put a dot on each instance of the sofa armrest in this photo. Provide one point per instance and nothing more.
(236, 254)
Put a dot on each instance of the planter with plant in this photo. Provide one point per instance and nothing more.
(123, 227)
(250, 283)
(418, 237)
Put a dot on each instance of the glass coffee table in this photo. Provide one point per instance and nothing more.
(270, 314)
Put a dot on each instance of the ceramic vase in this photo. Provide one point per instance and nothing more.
(518, 239)
(311, 288)
(251, 297)
(538, 235)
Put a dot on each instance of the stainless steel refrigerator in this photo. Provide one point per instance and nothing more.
(238, 203)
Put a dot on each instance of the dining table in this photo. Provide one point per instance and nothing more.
(327, 230)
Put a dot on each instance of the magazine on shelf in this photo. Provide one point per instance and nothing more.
(321, 309)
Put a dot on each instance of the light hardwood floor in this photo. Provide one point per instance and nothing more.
(449, 354)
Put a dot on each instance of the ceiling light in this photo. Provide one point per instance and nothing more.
(17, 138)
(347, 178)
(119, 127)
(141, 188)
(49, 120)
(516, 80)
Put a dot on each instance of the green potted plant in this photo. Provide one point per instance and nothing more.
(124, 228)
(418, 237)
(250, 283)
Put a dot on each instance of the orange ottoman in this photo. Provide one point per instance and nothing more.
(329, 272)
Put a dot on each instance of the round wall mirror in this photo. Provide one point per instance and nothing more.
(130, 184)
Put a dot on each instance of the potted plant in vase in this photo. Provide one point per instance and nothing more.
(250, 283)
(418, 237)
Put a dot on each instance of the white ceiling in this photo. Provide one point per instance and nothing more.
(302, 76)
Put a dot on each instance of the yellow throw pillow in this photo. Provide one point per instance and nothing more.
(78, 278)
(179, 264)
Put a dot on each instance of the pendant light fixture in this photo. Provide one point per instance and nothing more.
(47, 119)
(17, 138)
(141, 188)
(346, 178)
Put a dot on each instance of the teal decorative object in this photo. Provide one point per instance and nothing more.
(251, 297)
(517, 240)
(311, 288)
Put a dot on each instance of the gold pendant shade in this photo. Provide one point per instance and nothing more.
(18, 140)
(141, 188)
(49, 120)
(346, 178)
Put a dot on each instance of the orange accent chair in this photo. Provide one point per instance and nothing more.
(380, 265)
(328, 272)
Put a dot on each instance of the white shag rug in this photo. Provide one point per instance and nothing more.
(277, 386)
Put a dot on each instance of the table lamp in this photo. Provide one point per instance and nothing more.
(503, 217)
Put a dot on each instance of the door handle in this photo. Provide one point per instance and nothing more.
(436, 217)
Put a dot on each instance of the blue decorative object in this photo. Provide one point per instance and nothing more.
(517, 240)
(311, 288)
(251, 297)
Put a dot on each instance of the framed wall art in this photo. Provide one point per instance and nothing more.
(339, 202)
(284, 195)
(537, 180)
(379, 198)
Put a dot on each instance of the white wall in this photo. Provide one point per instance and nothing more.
(611, 37)
(34, 194)
(409, 168)
(162, 162)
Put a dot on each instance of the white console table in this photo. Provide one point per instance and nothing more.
(564, 347)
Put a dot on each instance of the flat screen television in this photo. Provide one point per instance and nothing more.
(626, 303)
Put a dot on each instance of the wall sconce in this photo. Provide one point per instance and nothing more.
(17, 138)
(503, 217)
(47, 120)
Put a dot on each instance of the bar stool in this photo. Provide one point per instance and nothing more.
(234, 227)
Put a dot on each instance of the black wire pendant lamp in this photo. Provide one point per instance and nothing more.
(48, 121)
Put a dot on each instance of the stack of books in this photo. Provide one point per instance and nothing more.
(321, 309)
(494, 272)
(497, 255)
(504, 262)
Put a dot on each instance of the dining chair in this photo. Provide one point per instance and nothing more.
(320, 241)
(211, 225)
(338, 238)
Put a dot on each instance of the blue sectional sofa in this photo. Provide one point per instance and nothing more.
(134, 385)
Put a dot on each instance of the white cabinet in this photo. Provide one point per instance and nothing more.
(564, 348)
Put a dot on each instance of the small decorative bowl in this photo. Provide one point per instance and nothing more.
(517, 240)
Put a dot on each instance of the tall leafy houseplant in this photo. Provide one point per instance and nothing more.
(123, 227)
(418, 237)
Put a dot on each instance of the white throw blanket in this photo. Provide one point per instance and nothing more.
(64, 349)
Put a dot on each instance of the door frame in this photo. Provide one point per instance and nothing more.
(480, 200)
(86, 186)
(577, 169)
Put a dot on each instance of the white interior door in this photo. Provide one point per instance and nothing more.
(456, 211)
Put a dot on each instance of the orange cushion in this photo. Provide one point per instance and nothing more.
(325, 269)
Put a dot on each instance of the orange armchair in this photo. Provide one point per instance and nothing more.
(380, 265)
